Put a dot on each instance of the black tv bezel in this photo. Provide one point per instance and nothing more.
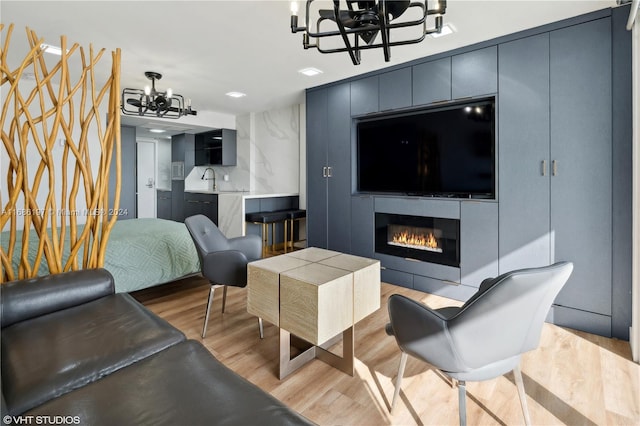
(435, 108)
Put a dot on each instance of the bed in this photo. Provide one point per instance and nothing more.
(141, 253)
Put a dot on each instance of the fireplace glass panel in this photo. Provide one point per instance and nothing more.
(429, 239)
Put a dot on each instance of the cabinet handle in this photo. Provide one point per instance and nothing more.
(544, 167)
(554, 166)
(324, 171)
(329, 174)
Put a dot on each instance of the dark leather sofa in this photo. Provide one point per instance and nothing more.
(72, 347)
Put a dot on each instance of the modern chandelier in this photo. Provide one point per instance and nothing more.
(151, 102)
(358, 24)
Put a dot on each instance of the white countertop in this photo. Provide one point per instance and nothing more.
(244, 194)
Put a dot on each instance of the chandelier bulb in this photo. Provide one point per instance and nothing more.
(294, 8)
(169, 93)
(147, 90)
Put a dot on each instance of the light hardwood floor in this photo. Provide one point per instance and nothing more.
(573, 378)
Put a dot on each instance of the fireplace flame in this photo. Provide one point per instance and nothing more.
(415, 240)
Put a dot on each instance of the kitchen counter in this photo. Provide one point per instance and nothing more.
(244, 194)
(232, 208)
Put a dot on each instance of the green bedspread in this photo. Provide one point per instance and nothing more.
(141, 253)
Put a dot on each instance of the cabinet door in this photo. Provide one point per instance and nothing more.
(581, 147)
(362, 226)
(474, 73)
(316, 168)
(339, 180)
(209, 208)
(177, 147)
(189, 153)
(479, 242)
(177, 201)
(191, 208)
(432, 81)
(364, 96)
(395, 89)
(163, 205)
(523, 148)
(229, 148)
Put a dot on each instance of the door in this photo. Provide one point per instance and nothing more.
(581, 216)
(339, 169)
(524, 237)
(317, 168)
(146, 179)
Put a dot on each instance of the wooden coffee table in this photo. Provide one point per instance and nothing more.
(315, 295)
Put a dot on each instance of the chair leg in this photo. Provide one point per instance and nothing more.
(261, 327)
(517, 373)
(403, 364)
(462, 402)
(265, 238)
(224, 298)
(286, 240)
(206, 316)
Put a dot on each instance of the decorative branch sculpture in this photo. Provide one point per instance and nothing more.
(53, 131)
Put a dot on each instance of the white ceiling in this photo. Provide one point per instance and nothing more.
(205, 49)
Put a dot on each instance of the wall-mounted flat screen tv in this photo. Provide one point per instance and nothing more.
(447, 151)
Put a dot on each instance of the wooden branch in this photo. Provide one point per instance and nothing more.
(51, 201)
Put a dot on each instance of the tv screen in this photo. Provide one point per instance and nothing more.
(444, 152)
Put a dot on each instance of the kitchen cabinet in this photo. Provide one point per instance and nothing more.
(200, 203)
(163, 205)
(217, 147)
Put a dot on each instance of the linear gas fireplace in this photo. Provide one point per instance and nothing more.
(429, 239)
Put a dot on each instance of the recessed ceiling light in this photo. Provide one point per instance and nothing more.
(55, 50)
(236, 94)
(310, 72)
(157, 130)
(446, 30)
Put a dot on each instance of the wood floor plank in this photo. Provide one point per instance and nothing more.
(572, 378)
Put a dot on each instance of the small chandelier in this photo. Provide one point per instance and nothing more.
(361, 21)
(150, 102)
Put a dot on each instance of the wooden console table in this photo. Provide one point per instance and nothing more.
(315, 295)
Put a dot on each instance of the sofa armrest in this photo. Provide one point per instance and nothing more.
(34, 297)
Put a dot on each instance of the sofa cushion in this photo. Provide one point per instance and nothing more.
(50, 355)
(182, 385)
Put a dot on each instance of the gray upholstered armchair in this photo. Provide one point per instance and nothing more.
(223, 261)
(485, 337)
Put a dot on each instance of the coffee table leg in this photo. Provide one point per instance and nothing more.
(344, 363)
(287, 364)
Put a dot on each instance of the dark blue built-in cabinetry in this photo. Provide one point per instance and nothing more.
(563, 165)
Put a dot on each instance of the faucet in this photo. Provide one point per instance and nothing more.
(213, 172)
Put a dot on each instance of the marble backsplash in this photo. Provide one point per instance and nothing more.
(268, 150)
